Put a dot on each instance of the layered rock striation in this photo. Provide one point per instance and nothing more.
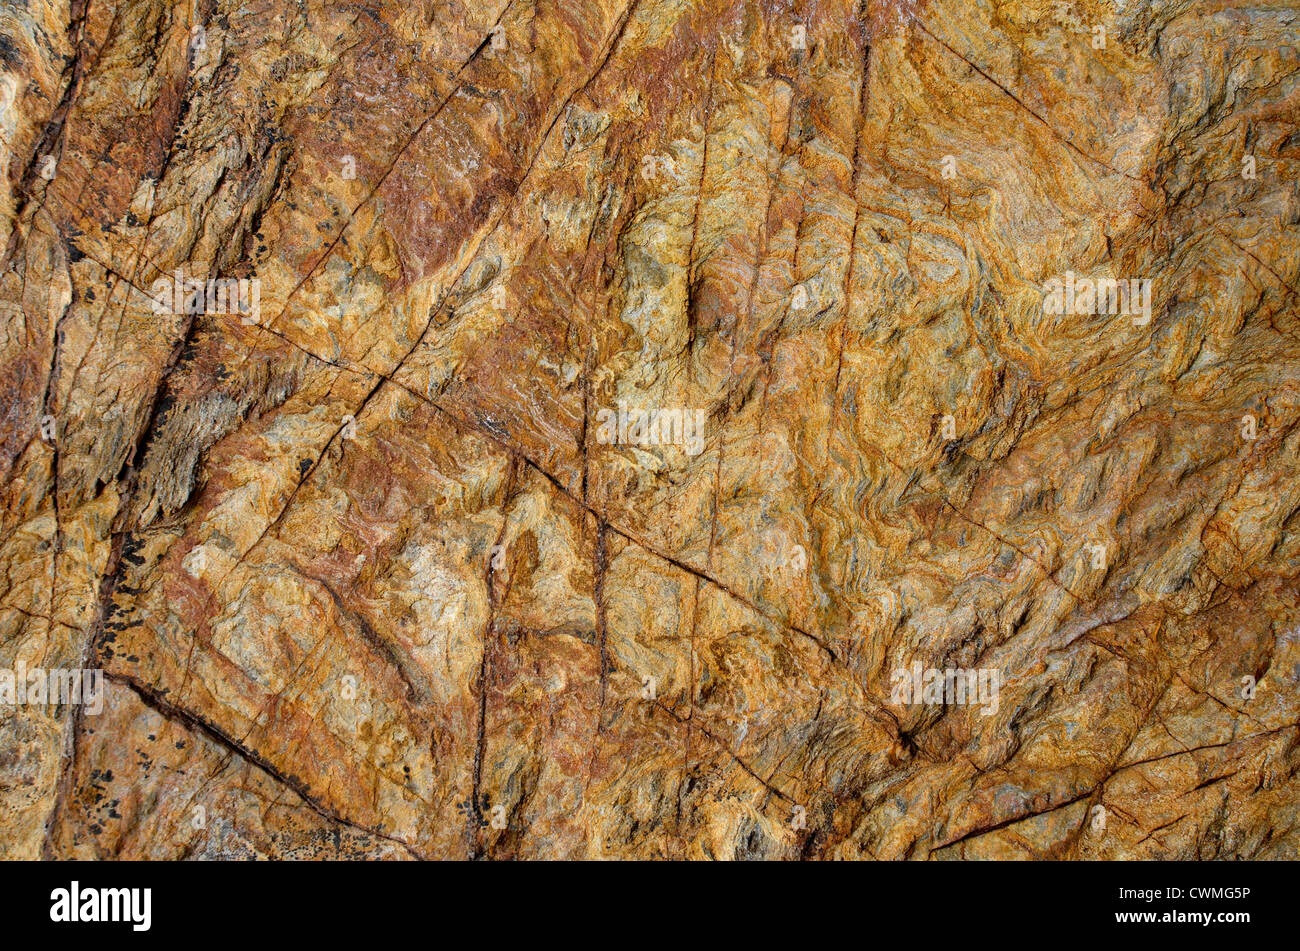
(650, 429)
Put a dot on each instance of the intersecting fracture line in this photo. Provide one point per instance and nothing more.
(629, 536)
(382, 376)
(139, 254)
(615, 37)
(238, 745)
(387, 377)
(1051, 576)
(1020, 102)
(854, 172)
(626, 534)
(61, 116)
(602, 519)
(510, 448)
(883, 716)
(195, 722)
(401, 153)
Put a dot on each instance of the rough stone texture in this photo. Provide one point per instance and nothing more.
(363, 577)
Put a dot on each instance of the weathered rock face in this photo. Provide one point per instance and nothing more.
(651, 428)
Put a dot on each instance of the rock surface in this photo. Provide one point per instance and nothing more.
(377, 560)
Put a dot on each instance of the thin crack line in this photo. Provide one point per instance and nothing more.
(1018, 101)
(401, 152)
(197, 723)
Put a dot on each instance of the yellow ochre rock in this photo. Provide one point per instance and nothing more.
(705, 429)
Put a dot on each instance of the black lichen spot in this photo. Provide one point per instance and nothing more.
(10, 56)
(131, 546)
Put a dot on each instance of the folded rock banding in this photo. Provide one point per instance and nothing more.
(696, 429)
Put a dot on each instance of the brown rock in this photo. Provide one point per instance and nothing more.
(327, 333)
